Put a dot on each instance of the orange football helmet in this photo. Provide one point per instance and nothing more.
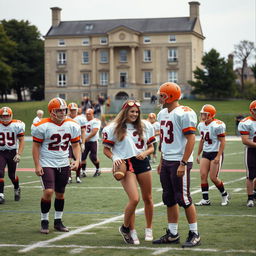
(56, 105)
(72, 106)
(209, 110)
(253, 105)
(6, 114)
(169, 92)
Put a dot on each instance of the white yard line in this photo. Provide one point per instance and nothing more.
(91, 226)
(24, 183)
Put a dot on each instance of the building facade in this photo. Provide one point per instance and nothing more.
(121, 58)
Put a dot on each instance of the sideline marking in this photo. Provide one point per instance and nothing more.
(106, 221)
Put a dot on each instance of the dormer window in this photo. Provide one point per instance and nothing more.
(172, 39)
(103, 40)
(86, 41)
(88, 27)
(61, 42)
(146, 40)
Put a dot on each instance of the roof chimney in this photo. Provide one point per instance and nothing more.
(194, 9)
(56, 16)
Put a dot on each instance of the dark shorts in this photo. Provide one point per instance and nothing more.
(55, 178)
(6, 158)
(250, 163)
(90, 147)
(138, 166)
(211, 156)
(176, 190)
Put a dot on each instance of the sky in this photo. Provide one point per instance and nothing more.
(224, 22)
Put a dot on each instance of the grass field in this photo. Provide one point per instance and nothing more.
(93, 212)
(226, 110)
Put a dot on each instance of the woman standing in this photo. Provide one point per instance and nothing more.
(130, 139)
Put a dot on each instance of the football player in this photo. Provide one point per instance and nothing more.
(81, 120)
(92, 129)
(177, 140)
(129, 139)
(51, 139)
(11, 148)
(247, 129)
(39, 116)
(212, 145)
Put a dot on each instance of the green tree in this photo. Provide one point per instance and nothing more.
(216, 80)
(242, 52)
(6, 46)
(27, 58)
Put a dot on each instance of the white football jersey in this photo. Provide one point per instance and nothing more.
(36, 120)
(9, 134)
(90, 125)
(55, 141)
(156, 126)
(248, 127)
(173, 126)
(131, 145)
(81, 120)
(210, 133)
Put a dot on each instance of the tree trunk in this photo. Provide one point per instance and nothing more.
(19, 95)
(242, 76)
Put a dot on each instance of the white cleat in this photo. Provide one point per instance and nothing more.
(250, 203)
(134, 237)
(148, 234)
(225, 200)
(78, 180)
(203, 202)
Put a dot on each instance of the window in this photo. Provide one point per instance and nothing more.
(85, 58)
(146, 40)
(103, 78)
(123, 56)
(172, 55)
(61, 42)
(62, 80)
(86, 41)
(86, 78)
(61, 58)
(123, 79)
(103, 40)
(147, 77)
(172, 38)
(62, 96)
(172, 76)
(147, 55)
(103, 56)
(88, 27)
(147, 95)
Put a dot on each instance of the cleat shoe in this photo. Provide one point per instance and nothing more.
(192, 240)
(97, 173)
(58, 225)
(148, 234)
(44, 227)
(203, 202)
(125, 232)
(69, 180)
(78, 180)
(2, 199)
(168, 238)
(250, 203)
(17, 194)
(225, 199)
(134, 237)
(84, 174)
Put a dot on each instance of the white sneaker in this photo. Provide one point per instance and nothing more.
(250, 203)
(78, 180)
(225, 200)
(134, 237)
(148, 234)
(203, 202)
(69, 180)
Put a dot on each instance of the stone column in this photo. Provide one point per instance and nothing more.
(111, 66)
(94, 66)
(133, 68)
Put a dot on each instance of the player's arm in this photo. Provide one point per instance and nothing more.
(108, 153)
(191, 138)
(20, 149)
(222, 141)
(199, 151)
(144, 154)
(36, 155)
(82, 139)
(246, 141)
(77, 154)
(92, 134)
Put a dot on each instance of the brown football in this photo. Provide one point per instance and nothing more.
(120, 171)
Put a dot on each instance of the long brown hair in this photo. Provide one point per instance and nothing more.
(121, 119)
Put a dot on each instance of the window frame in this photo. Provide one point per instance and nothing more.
(83, 57)
(144, 77)
(63, 81)
(88, 79)
(104, 81)
(147, 58)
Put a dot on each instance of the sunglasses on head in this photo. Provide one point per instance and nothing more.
(131, 104)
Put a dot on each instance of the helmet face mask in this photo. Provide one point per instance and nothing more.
(6, 115)
(207, 112)
(73, 109)
(58, 109)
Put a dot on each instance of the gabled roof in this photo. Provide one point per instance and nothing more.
(149, 25)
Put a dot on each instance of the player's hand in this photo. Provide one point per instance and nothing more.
(158, 169)
(181, 170)
(216, 160)
(39, 171)
(116, 160)
(74, 165)
(16, 159)
(198, 159)
(141, 156)
(82, 148)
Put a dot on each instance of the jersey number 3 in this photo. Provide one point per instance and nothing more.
(168, 127)
(56, 145)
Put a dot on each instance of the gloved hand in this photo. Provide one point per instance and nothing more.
(16, 159)
(82, 148)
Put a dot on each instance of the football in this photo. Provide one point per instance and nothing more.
(120, 171)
